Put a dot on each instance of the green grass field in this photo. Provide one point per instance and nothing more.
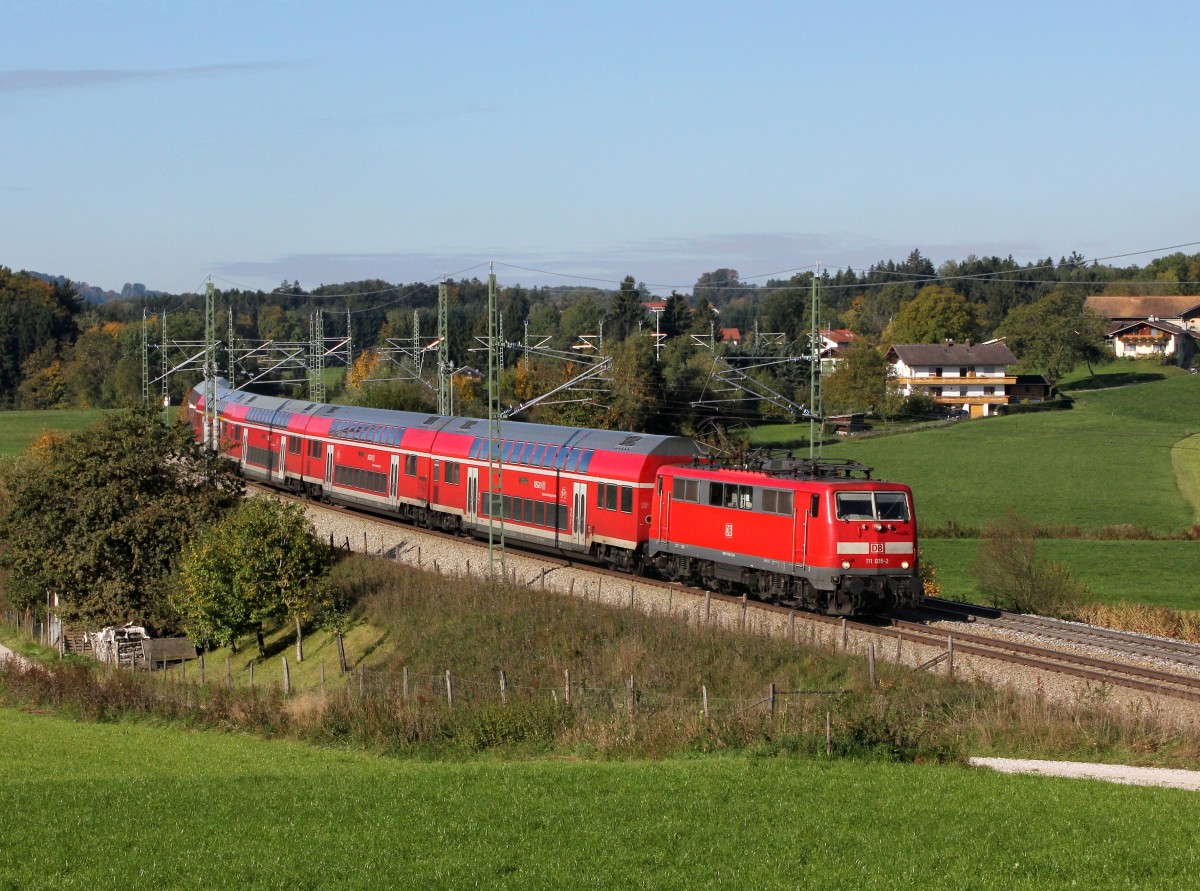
(19, 428)
(118, 805)
(1160, 573)
(1106, 462)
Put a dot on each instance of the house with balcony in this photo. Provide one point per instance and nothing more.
(971, 378)
(1183, 311)
(1153, 338)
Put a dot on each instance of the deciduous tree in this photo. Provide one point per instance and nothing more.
(100, 518)
(1055, 334)
(262, 563)
(934, 315)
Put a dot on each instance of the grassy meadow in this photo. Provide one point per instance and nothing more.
(19, 428)
(1125, 459)
(119, 805)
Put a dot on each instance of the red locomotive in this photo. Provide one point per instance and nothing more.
(821, 535)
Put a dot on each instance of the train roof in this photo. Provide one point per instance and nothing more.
(548, 434)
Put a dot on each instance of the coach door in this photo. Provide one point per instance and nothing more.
(282, 465)
(471, 509)
(394, 482)
(245, 446)
(329, 467)
(579, 515)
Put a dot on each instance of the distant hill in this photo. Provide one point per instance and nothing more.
(93, 294)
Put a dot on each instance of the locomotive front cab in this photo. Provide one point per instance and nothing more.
(872, 548)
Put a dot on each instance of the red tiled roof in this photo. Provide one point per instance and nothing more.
(1117, 307)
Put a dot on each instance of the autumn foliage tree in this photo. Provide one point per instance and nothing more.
(98, 519)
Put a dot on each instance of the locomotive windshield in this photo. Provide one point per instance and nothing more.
(872, 506)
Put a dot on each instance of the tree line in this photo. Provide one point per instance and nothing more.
(59, 351)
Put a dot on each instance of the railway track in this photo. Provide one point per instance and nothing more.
(1124, 642)
(944, 644)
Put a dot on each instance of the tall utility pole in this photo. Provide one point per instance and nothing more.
(444, 371)
(229, 354)
(316, 379)
(210, 368)
(165, 392)
(145, 358)
(495, 467)
(814, 370)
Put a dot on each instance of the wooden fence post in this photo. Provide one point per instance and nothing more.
(567, 686)
(201, 668)
(362, 682)
(950, 655)
(228, 676)
(322, 678)
(828, 735)
(871, 664)
(287, 678)
(251, 675)
(745, 606)
(771, 698)
(449, 690)
(404, 685)
(899, 645)
(503, 688)
(707, 607)
(792, 625)
(704, 699)
(845, 635)
(629, 698)
(341, 652)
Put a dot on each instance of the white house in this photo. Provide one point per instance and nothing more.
(1152, 337)
(973, 377)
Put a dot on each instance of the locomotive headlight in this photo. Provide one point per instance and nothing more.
(904, 564)
(878, 527)
(845, 564)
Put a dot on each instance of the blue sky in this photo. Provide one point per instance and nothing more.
(163, 142)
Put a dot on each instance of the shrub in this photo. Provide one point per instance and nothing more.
(1009, 571)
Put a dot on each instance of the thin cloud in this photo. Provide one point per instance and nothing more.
(34, 80)
(663, 264)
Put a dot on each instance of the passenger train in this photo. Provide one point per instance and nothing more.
(820, 535)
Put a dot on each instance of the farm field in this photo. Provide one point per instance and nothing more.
(19, 428)
(1159, 573)
(115, 805)
(1106, 462)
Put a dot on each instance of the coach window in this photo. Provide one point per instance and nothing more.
(586, 462)
(626, 499)
(536, 460)
(564, 452)
(548, 458)
(506, 452)
(610, 498)
(527, 452)
(410, 465)
(294, 445)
